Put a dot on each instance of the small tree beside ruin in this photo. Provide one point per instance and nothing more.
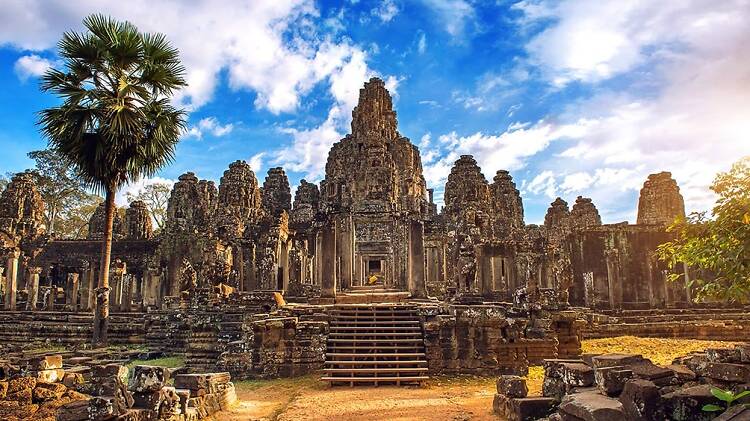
(717, 247)
(115, 123)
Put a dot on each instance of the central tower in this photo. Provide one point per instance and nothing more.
(374, 192)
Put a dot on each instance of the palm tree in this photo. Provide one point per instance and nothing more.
(115, 123)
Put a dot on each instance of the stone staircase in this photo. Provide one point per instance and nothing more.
(375, 344)
(368, 294)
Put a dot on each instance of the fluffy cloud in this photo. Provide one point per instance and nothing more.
(211, 126)
(687, 114)
(31, 66)
(135, 187)
(453, 14)
(387, 11)
(256, 162)
(271, 48)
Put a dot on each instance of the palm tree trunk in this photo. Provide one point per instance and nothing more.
(101, 312)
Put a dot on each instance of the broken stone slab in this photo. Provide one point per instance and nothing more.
(649, 371)
(522, 409)
(686, 404)
(592, 406)
(640, 400)
(110, 370)
(147, 378)
(735, 373)
(614, 360)
(681, 372)
(49, 391)
(577, 374)
(735, 413)
(724, 355)
(3, 389)
(512, 386)
(611, 380)
(74, 411)
(50, 376)
(45, 362)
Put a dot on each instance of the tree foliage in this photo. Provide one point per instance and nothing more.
(74, 221)
(59, 186)
(717, 247)
(115, 123)
(155, 196)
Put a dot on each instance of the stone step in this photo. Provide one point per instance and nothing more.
(356, 329)
(381, 323)
(375, 370)
(375, 355)
(376, 380)
(355, 335)
(392, 362)
(382, 340)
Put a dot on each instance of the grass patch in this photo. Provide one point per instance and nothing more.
(169, 362)
(292, 383)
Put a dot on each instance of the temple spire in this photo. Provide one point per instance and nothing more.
(374, 116)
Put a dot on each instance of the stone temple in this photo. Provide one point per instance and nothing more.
(245, 278)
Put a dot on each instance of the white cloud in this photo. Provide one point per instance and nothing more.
(271, 48)
(422, 43)
(256, 162)
(454, 14)
(386, 11)
(31, 66)
(211, 126)
(135, 187)
(544, 182)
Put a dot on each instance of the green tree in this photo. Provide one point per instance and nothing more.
(717, 246)
(115, 123)
(73, 222)
(155, 196)
(58, 185)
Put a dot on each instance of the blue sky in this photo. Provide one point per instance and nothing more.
(582, 97)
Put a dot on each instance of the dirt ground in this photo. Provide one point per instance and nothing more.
(441, 399)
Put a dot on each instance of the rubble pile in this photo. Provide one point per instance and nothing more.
(41, 388)
(630, 387)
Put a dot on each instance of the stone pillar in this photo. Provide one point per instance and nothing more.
(126, 300)
(116, 281)
(2, 282)
(417, 286)
(485, 263)
(90, 288)
(71, 291)
(345, 249)
(32, 286)
(11, 275)
(614, 281)
(318, 264)
(328, 261)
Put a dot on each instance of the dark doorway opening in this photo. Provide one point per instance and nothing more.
(373, 266)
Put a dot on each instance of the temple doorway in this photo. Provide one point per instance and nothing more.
(374, 267)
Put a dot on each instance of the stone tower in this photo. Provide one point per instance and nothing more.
(22, 208)
(584, 213)
(558, 214)
(506, 200)
(467, 194)
(97, 222)
(138, 221)
(191, 205)
(660, 201)
(306, 204)
(276, 195)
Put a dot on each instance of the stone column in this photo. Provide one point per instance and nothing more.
(91, 288)
(11, 275)
(416, 260)
(328, 261)
(487, 279)
(115, 288)
(32, 286)
(71, 293)
(345, 247)
(128, 290)
(2, 282)
(613, 278)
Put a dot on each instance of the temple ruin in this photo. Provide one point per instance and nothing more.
(247, 279)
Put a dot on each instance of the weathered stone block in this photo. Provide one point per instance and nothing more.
(3, 389)
(45, 362)
(148, 378)
(640, 400)
(739, 373)
(51, 375)
(592, 406)
(512, 386)
(577, 374)
(681, 373)
(611, 380)
(686, 404)
(522, 409)
(14, 385)
(49, 391)
(74, 411)
(614, 360)
(724, 355)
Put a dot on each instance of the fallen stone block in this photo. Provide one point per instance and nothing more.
(681, 372)
(640, 400)
(686, 404)
(50, 376)
(736, 373)
(148, 378)
(46, 362)
(649, 371)
(169, 403)
(615, 360)
(72, 380)
(522, 409)
(14, 385)
(110, 370)
(611, 380)
(724, 355)
(512, 386)
(735, 413)
(577, 375)
(592, 406)
(49, 391)
(74, 411)
(3, 389)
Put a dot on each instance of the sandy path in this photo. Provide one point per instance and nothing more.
(306, 398)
